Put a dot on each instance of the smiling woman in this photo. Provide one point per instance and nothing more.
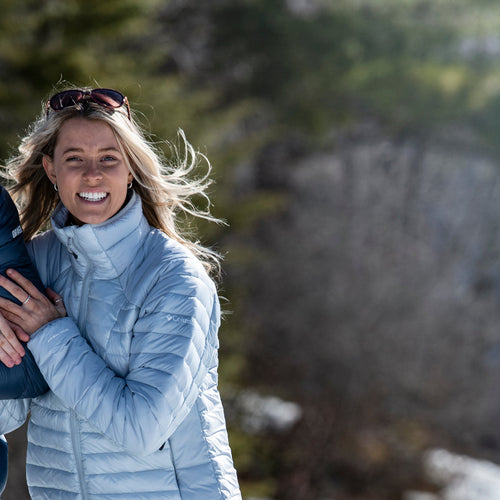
(88, 170)
(130, 356)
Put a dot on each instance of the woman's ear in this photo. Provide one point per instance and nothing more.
(48, 166)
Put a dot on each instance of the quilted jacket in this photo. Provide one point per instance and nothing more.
(24, 380)
(134, 411)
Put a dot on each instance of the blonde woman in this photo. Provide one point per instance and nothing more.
(133, 409)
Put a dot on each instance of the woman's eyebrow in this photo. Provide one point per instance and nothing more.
(75, 149)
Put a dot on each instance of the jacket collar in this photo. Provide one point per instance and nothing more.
(107, 248)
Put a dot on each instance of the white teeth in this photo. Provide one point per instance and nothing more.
(92, 196)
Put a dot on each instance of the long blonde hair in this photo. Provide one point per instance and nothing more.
(167, 188)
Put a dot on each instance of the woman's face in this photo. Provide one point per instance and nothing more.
(89, 170)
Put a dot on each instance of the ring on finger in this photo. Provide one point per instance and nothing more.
(28, 298)
(58, 300)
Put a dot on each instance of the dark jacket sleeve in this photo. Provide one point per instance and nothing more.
(23, 380)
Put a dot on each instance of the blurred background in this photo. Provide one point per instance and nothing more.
(357, 164)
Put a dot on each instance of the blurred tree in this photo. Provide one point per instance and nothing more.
(331, 64)
(44, 45)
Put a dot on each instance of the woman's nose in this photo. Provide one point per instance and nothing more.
(92, 171)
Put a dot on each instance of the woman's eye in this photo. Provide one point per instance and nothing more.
(73, 159)
(108, 159)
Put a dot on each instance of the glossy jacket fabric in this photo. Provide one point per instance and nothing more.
(24, 380)
(133, 411)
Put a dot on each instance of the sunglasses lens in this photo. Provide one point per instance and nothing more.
(108, 97)
(65, 99)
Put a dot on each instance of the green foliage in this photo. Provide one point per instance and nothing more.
(45, 45)
(394, 60)
(332, 65)
(43, 42)
(399, 62)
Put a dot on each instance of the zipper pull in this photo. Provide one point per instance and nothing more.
(70, 248)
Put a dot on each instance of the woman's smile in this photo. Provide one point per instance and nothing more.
(93, 197)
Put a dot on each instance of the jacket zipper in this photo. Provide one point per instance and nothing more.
(74, 423)
(84, 300)
(77, 450)
(173, 464)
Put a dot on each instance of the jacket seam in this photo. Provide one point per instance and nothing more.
(216, 475)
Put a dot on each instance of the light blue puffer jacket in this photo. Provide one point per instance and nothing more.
(133, 411)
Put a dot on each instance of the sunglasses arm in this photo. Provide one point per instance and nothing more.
(125, 101)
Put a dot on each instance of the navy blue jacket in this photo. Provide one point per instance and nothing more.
(24, 380)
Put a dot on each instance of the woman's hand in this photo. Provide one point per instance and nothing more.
(11, 350)
(20, 321)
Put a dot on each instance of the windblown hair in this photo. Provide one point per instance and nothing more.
(168, 188)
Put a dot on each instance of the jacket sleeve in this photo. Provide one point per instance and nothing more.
(13, 414)
(174, 344)
(23, 380)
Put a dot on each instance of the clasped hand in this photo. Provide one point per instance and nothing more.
(18, 322)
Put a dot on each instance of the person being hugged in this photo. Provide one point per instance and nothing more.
(130, 354)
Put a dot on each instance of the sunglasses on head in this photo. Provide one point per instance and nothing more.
(108, 98)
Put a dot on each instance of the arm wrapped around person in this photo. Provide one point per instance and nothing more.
(24, 380)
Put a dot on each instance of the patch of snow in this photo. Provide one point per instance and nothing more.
(460, 477)
(261, 413)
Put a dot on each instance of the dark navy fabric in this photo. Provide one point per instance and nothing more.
(3, 463)
(25, 379)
